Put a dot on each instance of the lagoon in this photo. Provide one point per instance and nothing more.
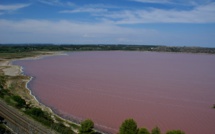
(169, 90)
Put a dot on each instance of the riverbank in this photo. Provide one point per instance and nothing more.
(17, 84)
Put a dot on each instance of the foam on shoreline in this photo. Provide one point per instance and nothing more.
(21, 72)
(30, 92)
(26, 84)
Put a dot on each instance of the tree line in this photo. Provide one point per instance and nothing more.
(11, 48)
(129, 126)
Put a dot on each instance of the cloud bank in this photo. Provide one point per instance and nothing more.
(111, 24)
(44, 31)
(68, 32)
(199, 14)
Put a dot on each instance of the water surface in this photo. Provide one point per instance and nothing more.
(172, 91)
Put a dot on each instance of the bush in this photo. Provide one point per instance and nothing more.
(143, 131)
(44, 118)
(20, 103)
(37, 112)
(175, 132)
(40, 116)
(61, 128)
(129, 126)
(156, 130)
(3, 92)
(87, 127)
(2, 81)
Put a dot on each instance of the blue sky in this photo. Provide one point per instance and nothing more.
(144, 22)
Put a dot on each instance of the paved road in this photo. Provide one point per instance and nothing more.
(19, 123)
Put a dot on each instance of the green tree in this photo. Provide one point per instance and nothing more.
(143, 131)
(37, 112)
(175, 132)
(2, 81)
(20, 102)
(156, 130)
(129, 126)
(86, 127)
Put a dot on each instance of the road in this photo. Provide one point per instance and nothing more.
(19, 123)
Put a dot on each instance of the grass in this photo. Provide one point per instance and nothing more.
(18, 55)
(45, 118)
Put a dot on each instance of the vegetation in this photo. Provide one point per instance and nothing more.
(129, 126)
(175, 132)
(2, 81)
(4, 130)
(214, 106)
(86, 127)
(18, 55)
(143, 131)
(45, 118)
(3, 91)
(36, 113)
(22, 50)
(10, 98)
(19, 101)
(156, 130)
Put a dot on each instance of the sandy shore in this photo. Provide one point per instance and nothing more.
(7, 68)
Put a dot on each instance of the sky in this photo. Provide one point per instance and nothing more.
(138, 22)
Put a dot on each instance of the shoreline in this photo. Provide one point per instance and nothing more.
(26, 86)
(19, 70)
(54, 112)
(9, 69)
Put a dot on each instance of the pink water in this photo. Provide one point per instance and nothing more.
(172, 91)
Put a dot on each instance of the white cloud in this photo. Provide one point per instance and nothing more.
(12, 7)
(51, 2)
(106, 6)
(175, 2)
(83, 10)
(199, 14)
(63, 31)
(56, 3)
(44, 31)
(153, 1)
(91, 8)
